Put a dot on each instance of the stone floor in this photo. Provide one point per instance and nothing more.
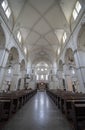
(39, 113)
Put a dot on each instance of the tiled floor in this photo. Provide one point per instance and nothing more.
(39, 113)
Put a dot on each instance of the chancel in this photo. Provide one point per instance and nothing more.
(42, 64)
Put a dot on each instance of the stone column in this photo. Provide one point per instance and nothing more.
(80, 65)
(60, 78)
(22, 75)
(16, 75)
(68, 79)
(3, 61)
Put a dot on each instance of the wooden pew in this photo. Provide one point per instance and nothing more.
(6, 107)
(53, 95)
(72, 104)
(66, 106)
(78, 115)
(10, 102)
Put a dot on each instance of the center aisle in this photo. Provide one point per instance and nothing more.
(39, 113)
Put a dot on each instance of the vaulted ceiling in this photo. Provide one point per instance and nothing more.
(42, 23)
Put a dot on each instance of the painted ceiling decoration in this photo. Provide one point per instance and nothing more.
(42, 25)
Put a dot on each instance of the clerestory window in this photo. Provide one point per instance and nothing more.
(76, 10)
(6, 8)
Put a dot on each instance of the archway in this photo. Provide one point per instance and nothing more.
(42, 73)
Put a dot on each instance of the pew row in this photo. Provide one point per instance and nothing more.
(78, 115)
(11, 102)
(69, 103)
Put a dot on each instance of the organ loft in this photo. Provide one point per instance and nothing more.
(42, 64)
